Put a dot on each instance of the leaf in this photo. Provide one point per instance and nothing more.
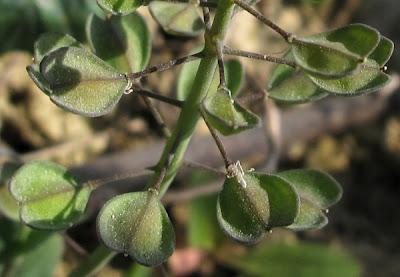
(317, 191)
(48, 195)
(43, 259)
(383, 51)
(8, 205)
(52, 14)
(335, 53)
(177, 18)
(234, 75)
(81, 82)
(289, 85)
(137, 224)
(123, 42)
(49, 42)
(227, 116)
(120, 7)
(299, 259)
(250, 203)
(370, 78)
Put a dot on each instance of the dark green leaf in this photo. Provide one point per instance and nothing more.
(38, 79)
(317, 191)
(383, 51)
(335, 53)
(81, 82)
(234, 75)
(227, 116)
(124, 42)
(300, 259)
(289, 85)
(137, 224)
(120, 7)
(316, 186)
(310, 217)
(48, 195)
(49, 42)
(370, 78)
(177, 18)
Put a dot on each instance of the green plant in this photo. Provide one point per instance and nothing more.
(346, 61)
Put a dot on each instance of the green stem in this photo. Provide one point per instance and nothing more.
(93, 263)
(176, 145)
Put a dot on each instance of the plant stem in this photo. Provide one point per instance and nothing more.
(94, 262)
(234, 52)
(176, 145)
(220, 57)
(157, 116)
(163, 66)
(263, 19)
(218, 142)
(162, 98)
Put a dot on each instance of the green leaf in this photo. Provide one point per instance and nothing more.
(81, 82)
(177, 18)
(49, 42)
(289, 85)
(38, 79)
(137, 224)
(124, 42)
(317, 191)
(8, 205)
(250, 203)
(234, 75)
(370, 78)
(120, 7)
(41, 260)
(48, 195)
(335, 53)
(227, 116)
(299, 259)
(383, 51)
(310, 217)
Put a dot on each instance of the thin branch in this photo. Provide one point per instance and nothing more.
(235, 52)
(160, 178)
(165, 99)
(157, 116)
(188, 194)
(207, 18)
(163, 66)
(100, 182)
(200, 166)
(263, 19)
(94, 262)
(218, 141)
(221, 68)
(74, 245)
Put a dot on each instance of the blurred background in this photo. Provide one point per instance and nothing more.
(357, 140)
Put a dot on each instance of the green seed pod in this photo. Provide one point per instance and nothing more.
(251, 203)
(137, 224)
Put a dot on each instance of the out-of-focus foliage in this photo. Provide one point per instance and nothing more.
(28, 253)
(22, 21)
